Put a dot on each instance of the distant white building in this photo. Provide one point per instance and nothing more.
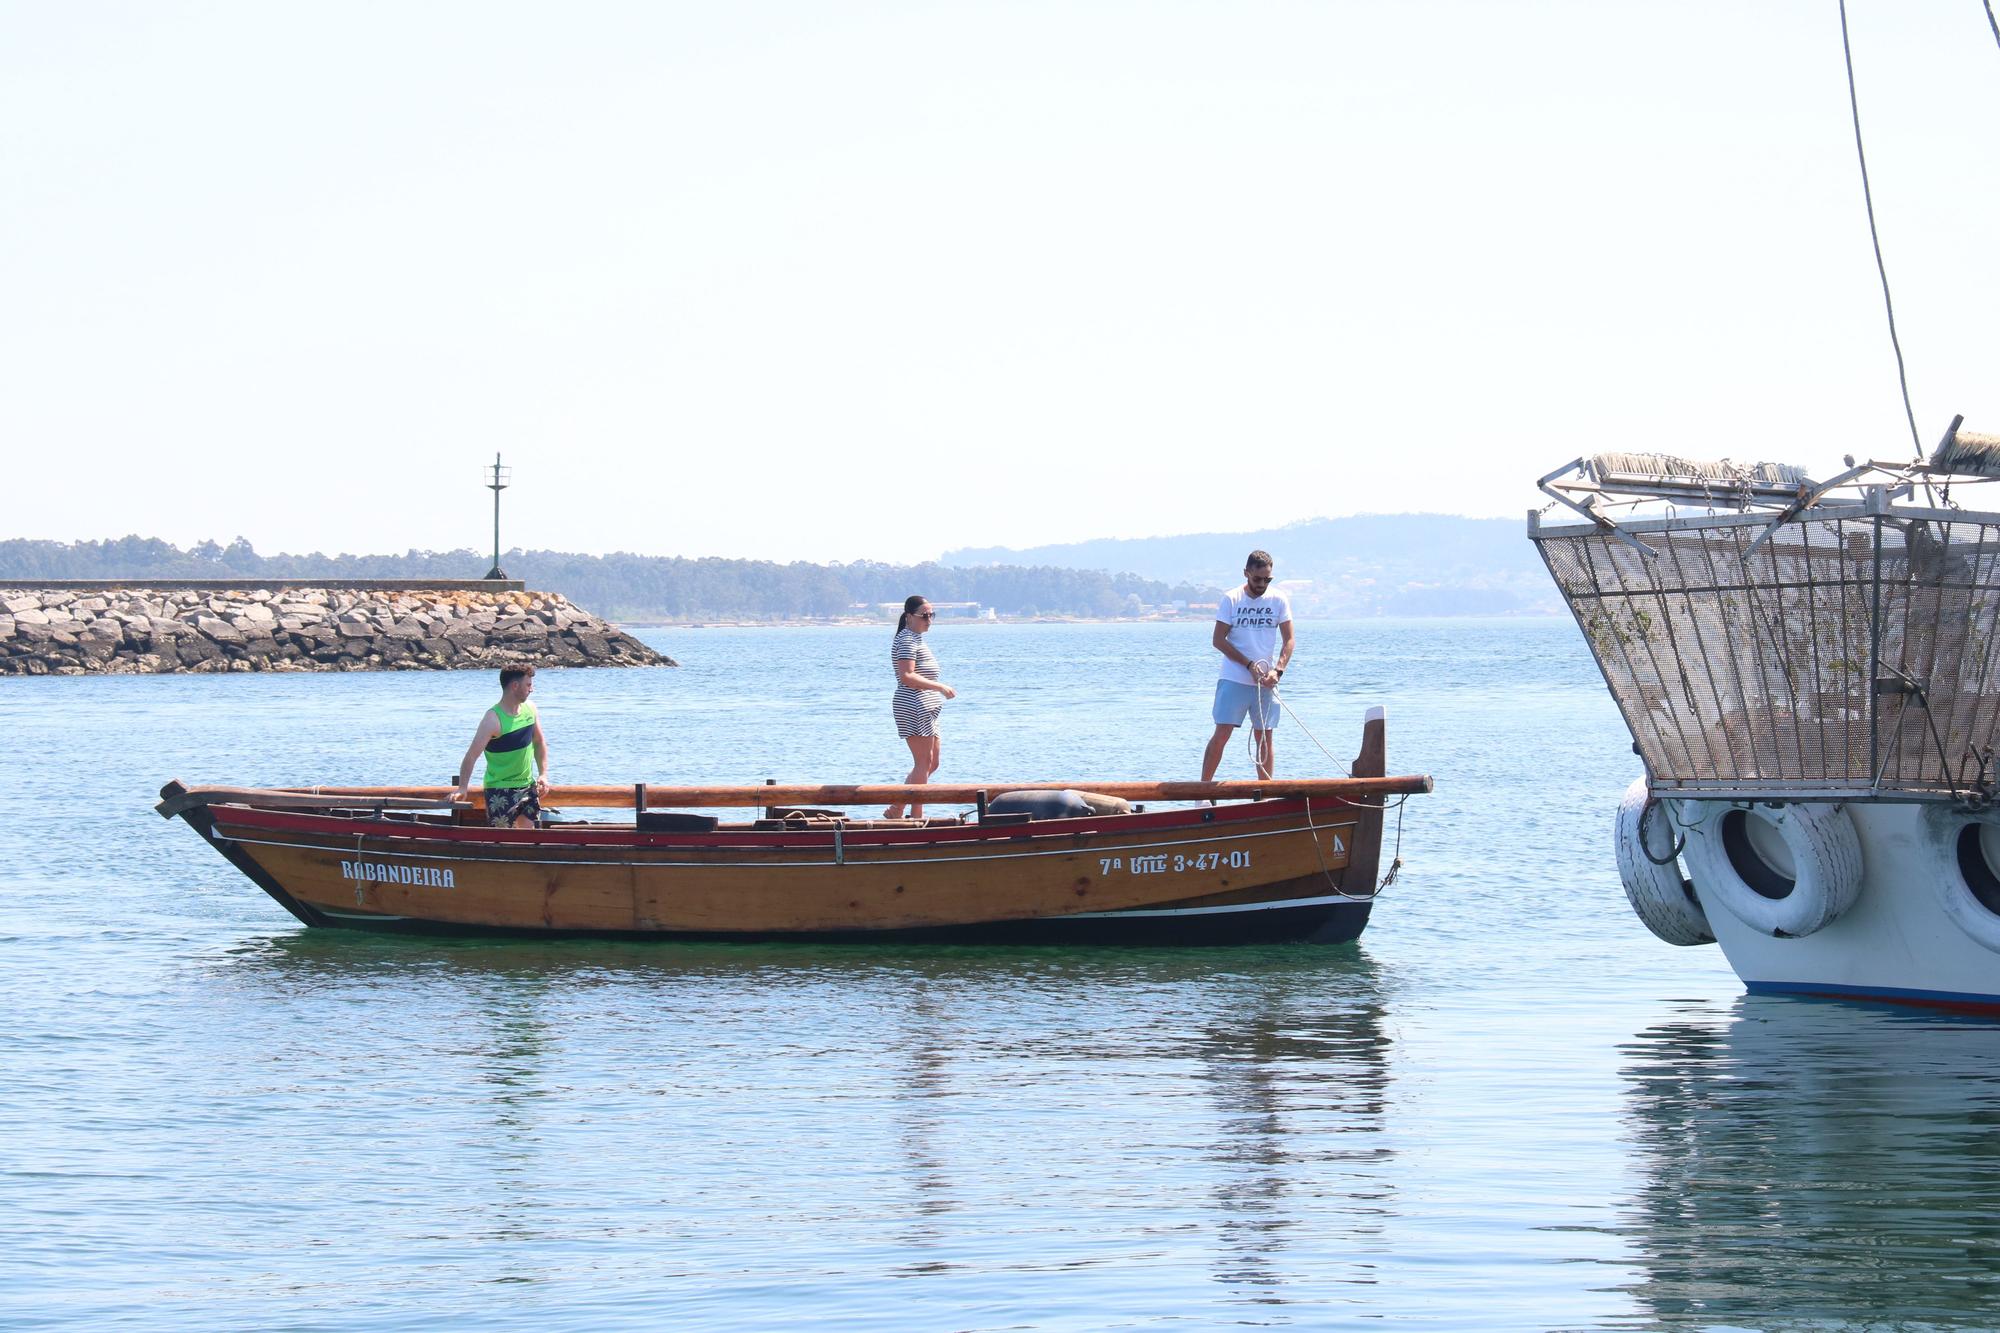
(951, 610)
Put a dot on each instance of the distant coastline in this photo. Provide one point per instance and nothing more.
(866, 622)
(1192, 618)
(1415, 565)
(641, 589)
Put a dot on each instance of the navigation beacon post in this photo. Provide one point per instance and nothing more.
(497, 483)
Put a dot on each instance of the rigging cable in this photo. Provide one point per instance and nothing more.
(1260, 715)
(1991, 22)
(1867, 196)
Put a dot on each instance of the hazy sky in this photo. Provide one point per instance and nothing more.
(872, 280)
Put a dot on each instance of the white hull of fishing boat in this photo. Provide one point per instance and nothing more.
(1916, 932)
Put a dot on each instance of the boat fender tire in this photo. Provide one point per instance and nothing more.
(1967, 886)
(1660, 896)
(1826, 860)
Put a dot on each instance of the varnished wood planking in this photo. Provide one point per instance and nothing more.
(728, 890)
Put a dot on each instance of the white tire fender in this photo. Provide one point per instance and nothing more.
(1955, 895)
(1659, 895)
(1826, 858)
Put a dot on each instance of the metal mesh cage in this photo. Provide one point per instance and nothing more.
(1841, 657)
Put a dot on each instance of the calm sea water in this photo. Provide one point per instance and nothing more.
(1506, 1107)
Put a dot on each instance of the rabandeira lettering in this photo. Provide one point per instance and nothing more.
(381, 872)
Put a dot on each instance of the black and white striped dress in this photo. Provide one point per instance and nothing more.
(916, 710)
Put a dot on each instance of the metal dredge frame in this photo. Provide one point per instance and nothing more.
(1832, 641)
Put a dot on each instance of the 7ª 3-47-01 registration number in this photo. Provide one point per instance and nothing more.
(1174, 863)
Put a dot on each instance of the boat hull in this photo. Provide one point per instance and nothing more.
(1260, 872)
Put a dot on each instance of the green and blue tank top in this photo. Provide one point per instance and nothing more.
(510, 756)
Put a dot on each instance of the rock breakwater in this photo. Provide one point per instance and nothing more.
(141, 629)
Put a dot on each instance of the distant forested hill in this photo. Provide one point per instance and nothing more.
(629, 587)
(1374, 564)
(1380, 564)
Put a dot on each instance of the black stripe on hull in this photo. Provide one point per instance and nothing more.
(1317, 923)
(1325, 923)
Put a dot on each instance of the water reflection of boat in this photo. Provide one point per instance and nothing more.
(1298, 1079)
(1271, 1110)
(1284, 859)
(1832, 1166)
(936, 1101)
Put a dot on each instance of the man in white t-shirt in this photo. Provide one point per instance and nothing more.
(1253, 632)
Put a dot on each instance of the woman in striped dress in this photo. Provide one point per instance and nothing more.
(920, 696)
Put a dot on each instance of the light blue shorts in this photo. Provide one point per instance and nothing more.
(1235, 701)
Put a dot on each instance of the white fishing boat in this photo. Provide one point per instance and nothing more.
(1811, 675)
(1810, 671)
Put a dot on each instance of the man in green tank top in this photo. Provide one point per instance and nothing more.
(509, 732)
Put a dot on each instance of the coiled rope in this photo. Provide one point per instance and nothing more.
(1259, 667)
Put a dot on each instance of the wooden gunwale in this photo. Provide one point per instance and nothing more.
(176, 797)
(723, 838)
(660, 797)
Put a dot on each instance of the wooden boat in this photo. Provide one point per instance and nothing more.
(1293, 859)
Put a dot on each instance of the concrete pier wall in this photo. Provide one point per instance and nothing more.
(140, 628)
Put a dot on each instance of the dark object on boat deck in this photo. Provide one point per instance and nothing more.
(674, 821)
(1065, 804)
